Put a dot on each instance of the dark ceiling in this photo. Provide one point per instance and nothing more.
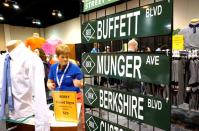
(39, 9)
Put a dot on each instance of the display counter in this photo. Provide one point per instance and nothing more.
(28, 125)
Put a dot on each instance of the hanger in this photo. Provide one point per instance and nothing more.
(194, 24)
(194, 21)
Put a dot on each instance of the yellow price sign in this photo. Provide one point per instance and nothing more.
(178, 42)
(65, 106)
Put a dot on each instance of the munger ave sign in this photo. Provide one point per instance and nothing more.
(120, 65)
(153, 68)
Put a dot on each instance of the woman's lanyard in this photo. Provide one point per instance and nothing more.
(60, 82)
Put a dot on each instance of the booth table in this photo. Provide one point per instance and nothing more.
(28, 125)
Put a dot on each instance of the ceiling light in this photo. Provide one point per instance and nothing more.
(36, 22)
(11, 3)
(15, 5)
(57, 13)
(1, 18)
(53, 13)
(6, 4)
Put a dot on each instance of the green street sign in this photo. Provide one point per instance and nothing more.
(89, 32)
(152, 68)
(151, 20)
(97, 124)
(91, 96)
(93, 4)
(145, 109)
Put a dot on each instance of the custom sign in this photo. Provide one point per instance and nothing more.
(145, 109)
(150, 20)
(178, 42)
(93, 4)
(65, 106)
(153, 68)
(96, 124)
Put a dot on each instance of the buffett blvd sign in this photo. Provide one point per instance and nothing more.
(154, 19)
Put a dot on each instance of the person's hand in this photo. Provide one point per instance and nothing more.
(78, 83)
(51, 85)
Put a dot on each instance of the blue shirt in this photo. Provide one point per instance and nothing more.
(94, 50)
(73, 72)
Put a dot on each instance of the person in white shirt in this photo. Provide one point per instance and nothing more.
(28, 89)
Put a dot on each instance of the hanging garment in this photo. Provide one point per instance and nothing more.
(191, 37)
(181, 90)
(178, 71)
(6, 88)
(193, 72)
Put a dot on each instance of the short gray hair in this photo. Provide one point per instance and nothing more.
(133, 41)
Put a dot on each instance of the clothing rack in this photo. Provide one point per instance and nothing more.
(194, 53)
(189, 90)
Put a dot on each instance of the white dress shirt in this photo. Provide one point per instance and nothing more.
(28, 89)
